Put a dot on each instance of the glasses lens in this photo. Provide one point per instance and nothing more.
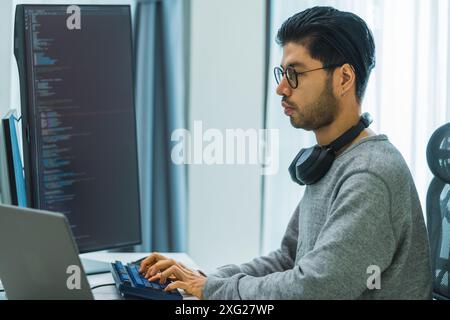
(291, 77)
(278, 74)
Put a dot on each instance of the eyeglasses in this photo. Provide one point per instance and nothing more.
(292, 75)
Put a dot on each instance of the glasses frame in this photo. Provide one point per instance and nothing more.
(284, 73)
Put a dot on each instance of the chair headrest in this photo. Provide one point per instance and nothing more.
(438, 153)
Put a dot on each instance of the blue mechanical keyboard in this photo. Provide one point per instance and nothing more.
(131, 284)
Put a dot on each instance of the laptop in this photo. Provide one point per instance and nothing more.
(39, 257)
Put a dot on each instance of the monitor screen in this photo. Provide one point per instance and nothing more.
(79, 122)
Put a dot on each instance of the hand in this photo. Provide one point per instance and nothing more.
(184, 278)
(154, 263)
(149, 262)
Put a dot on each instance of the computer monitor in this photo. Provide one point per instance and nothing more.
(79, 121)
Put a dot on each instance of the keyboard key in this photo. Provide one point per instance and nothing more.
(150, 284)
(134, 275)
(119, 266)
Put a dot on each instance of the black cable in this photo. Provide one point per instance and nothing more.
(103, 285)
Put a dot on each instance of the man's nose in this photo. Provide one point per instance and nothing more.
(284, 89)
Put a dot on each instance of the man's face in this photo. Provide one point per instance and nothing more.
(312, 105)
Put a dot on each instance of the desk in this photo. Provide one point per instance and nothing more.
(110, 292)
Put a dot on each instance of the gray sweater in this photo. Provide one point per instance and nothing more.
(364, 212)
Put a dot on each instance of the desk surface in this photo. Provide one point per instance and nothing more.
(110, 292)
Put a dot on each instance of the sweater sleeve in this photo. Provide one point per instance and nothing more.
(357, 234)
(276, 261)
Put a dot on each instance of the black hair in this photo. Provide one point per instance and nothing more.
(335, 38)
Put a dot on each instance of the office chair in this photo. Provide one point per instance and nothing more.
(438, 210)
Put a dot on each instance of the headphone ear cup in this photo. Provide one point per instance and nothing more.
(293, 168)
(300, 167)
(319, 167)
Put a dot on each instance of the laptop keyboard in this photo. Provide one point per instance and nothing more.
(131, 284)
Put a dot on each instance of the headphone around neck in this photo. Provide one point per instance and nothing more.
(310, 165)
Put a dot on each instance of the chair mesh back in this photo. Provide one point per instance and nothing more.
(438, 225)
(438, 209)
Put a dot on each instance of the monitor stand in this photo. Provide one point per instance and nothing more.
(92, 266)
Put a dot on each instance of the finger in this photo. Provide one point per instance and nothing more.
(155, 277)
(173, 270)
(159, 266)
(150, 260)
(158, 275)
(183, 266)
(176, 285)
(147, 262)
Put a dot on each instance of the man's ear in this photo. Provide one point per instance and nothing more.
(347, 77)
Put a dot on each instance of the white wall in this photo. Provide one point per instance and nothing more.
(226, 91)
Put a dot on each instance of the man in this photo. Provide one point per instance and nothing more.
(362, 217)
